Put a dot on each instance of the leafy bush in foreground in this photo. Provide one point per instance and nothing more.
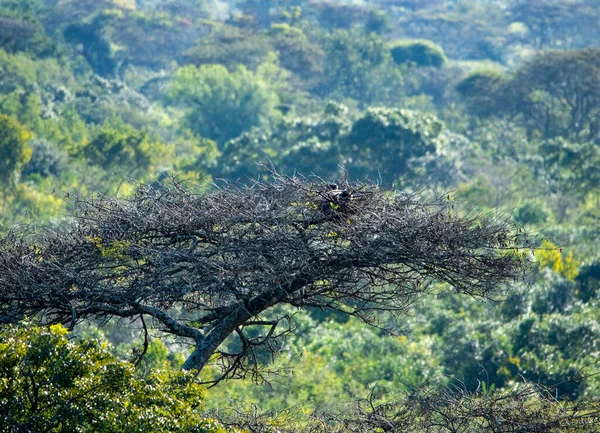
(49, 382)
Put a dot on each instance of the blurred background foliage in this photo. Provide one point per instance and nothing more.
(494, 103)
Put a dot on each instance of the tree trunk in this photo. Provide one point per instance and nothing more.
(204, 349)
(240, 315)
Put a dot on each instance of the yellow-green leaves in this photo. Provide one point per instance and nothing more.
(52, 382)
(553, 257)
(221, 104)
(14, 151)
(112, 250)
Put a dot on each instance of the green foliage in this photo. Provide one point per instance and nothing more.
(260, 10)
(551, 256)
(45, 160)
(360, 67)
(113, 38)
(392, 145)
(49, 382)
(554, 24)
(193, 155)
(382, 143)
(483, 92)
(230, 47)
(588, 281)
(221, 104)
(571, 167)
(14, 152)
(125, 149)
(20, 27)
(107, 89)
(28, 10)
(418, 52)
(296, 52)
(377, 22)
(97, 50)
(546, 109)
(332, 362)
(541, 333)
(531, 212)
(307, 145)
(158, 357)
(33, 202)
(24, 76)
(572, 108)
(469, 30)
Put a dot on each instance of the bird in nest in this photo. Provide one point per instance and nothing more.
(336, 201)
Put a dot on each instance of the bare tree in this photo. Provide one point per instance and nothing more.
(207, 265)
(525, 408)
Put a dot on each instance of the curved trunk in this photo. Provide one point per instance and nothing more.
(241, 314)
(205, 348)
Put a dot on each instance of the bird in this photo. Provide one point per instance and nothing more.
(335, 201)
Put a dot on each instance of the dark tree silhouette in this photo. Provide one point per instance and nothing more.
(209, 265)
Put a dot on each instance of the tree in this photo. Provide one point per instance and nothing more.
(14, 35)
(27, 10)
(261, 10)
(226, 258)
(96, 48)
(383, 142)
(297, 144)
(484, 92)
(45, 160)
(20, 27)
(569, 172)
(230, 46)
(554, 94)
(418, 52)
(223, 104)
(526, 407)
(557, 23)
(51, 382)
(14, 152)
(112, 38)
(558, 93)
(471, 31)
(392, 145)
(296, 52)
(359, 66)
(125, 149)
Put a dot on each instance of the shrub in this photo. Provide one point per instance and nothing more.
(49, 382)
(222, 104)
(45, 160)
(531, 212)
(419, 52)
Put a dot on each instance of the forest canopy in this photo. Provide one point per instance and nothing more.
(236, 186)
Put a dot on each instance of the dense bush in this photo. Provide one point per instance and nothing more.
(221, 104)
(50, 382)
(359, 66)
(531, 212)
(483, 91)
(418, 52)
(45, 160)
(14, 152)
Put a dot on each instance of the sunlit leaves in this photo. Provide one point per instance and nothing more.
(221, 104)
(51, 382)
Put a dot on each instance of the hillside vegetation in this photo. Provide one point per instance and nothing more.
(489, 109)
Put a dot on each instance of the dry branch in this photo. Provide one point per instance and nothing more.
(226, 256)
